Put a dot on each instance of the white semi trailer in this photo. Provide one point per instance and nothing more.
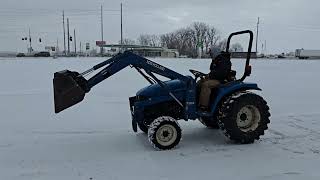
(306, 54)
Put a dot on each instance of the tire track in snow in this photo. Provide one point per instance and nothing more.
(301, 143)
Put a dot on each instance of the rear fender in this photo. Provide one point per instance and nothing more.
(228, 89)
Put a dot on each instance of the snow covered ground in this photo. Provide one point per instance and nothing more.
(94, 140)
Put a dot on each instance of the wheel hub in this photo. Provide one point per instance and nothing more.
(166, 135)
(243, 117)
(248, 118)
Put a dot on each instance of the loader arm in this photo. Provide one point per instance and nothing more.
(121, 61)
(70, 87)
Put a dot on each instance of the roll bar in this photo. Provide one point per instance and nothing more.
(247, 71)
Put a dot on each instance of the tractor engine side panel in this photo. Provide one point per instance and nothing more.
(138, 104)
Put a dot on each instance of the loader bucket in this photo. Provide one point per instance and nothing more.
(67, 89)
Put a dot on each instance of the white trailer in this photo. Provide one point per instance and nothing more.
(306, 54)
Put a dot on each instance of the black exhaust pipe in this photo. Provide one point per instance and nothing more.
(69, 89)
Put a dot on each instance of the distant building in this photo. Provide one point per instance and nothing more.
(243, 55)
(52, 50)
(146, 51)
(156, 52)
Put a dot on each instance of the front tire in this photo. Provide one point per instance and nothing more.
(164, 133)
(244, 117)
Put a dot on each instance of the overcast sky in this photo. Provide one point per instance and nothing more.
(285, 24)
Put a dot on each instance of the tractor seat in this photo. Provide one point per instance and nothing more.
(233, 73)
(231, 77)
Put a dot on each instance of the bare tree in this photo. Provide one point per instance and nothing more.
(154, 40)
(186, 40)
(149, 40)
(236, 47)
(212, 38)
(167, 40)
(127, 41)
(222, 45)
(181, 39)
(144, 40)
(164, 40)
(200, 32)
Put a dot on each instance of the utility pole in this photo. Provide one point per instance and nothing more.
(80, 48)
(265, 46)
(30, 46)
(57, 47)
(121, 41)
(68, 36)
(75, 41)
(64, 34)
(101, 48)
(257, 35)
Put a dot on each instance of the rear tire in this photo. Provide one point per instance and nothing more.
(164, 133)
(244, 117)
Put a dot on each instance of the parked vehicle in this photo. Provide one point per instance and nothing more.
(42, 54)
(21, 55)
(306, 54)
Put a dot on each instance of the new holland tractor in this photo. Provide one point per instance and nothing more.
(242, 115)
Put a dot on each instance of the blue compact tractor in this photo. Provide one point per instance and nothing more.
(242, 115)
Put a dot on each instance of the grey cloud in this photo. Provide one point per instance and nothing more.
(285, 24)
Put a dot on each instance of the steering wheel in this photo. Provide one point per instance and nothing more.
(197, 74)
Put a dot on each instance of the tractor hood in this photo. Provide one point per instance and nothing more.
(157, 90)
